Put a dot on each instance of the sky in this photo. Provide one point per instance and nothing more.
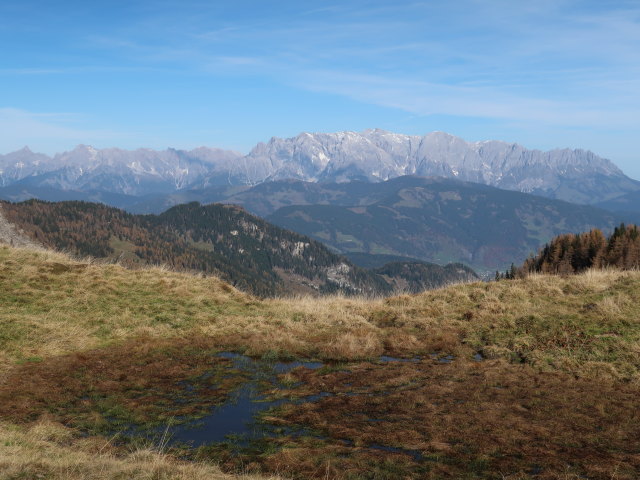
(182, 74)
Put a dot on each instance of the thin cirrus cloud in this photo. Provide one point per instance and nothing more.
(545, 63)
(424, 98)
(67, 70)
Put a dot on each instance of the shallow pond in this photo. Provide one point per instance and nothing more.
(237, 418)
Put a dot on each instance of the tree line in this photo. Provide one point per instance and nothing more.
(574, 253)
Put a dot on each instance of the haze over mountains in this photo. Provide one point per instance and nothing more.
(578, 176)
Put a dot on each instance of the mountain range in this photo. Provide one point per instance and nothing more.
(432, 198)
(577, 176)
(134, 173)
(376, 155)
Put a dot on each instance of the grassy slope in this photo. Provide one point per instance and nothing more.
(587, 326)
(53, 305)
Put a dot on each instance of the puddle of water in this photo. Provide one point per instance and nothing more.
(237, 418)
(440, 359)
(447, 359)
(235, 422)
(478, 357)
(386, 359)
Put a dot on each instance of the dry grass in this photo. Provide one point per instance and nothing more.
(53, 305)
(50, 451)
(571, 335)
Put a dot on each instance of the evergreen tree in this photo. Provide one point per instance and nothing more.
(567, 254)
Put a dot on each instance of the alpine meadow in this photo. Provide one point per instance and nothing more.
(319, 240)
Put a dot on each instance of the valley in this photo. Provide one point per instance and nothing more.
(438, 220)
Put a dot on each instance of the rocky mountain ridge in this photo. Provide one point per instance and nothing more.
(374, 155)
(378, 155)
(127, 172)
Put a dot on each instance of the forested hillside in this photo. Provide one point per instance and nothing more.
(436, 220)
(224, 240)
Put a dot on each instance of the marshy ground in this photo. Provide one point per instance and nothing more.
(535, 378)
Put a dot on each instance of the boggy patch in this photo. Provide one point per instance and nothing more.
(142, 382)
(462, 419)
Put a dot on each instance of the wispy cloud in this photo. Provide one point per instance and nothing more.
(551, 61)
(424, 98)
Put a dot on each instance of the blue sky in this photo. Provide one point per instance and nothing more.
(187, 73)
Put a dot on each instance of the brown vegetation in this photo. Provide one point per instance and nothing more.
(461, 419)
(556, 397)
(141, 381)
(569, 253)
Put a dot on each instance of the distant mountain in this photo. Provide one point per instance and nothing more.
(626, 207)
(22, 163)
(138, 172)
(372, 260)
(370, 156)
(18, 192)
(436, 220)
(224, 240)
(376, 155)
(419, 276)
(265, 198)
